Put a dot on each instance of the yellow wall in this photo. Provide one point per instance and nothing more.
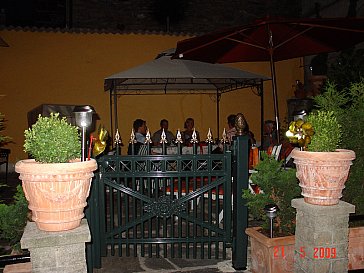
(69, 68)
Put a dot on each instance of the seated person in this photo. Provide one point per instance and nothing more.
(231, 124)
(231, 132)
(252, 140)
(140, 130)
(269, 134)
(156, 138)
(187, 133)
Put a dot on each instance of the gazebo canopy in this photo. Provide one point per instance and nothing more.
(164, 75)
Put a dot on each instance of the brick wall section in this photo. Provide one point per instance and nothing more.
(57, 252)
(186, 16)
(321, 244)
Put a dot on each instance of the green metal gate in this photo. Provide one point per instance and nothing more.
(170, 205)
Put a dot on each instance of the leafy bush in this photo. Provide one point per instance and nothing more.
(348, 67)
(279, 186)
(348, 106)
(13, 218)
(52, 140)
(327, 131)
(3, 139)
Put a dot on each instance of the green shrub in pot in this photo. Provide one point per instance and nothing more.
(52, 140)
(348, 106)
(322, 165)
(279, 186)
(57, 201)
(327, 131)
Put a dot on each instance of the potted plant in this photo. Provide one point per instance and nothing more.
(277, 185)
(348, 105)
(322, 168)
(55, 183)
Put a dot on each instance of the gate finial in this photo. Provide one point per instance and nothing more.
(178, 137)
(117, 137)
(240, 124)
(194, 136)
(147, 137)
(209, 137)
(132, 137)
(163, 137)
(224, 137)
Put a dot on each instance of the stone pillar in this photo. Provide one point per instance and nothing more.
(57, 252)
(321, 237)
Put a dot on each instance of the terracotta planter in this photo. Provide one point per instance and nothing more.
(270, 255)
(266, 253)
(56, 192)
(356, 248)
(322, 175)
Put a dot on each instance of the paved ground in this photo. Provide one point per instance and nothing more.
(150, 265)
(154, 265)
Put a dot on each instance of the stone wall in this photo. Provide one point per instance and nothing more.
(187, 16)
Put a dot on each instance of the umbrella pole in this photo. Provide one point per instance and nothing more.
(115, 110)
(275, 97)
(260, 92)
(111, 117)
(218, 113)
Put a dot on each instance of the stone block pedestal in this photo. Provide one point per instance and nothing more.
(57, 251)
(321, 244)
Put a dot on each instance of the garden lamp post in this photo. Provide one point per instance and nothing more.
(83, 115)
(271, 212)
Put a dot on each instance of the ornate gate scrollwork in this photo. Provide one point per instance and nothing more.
(165, 207)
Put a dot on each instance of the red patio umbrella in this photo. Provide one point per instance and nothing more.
(273, 39)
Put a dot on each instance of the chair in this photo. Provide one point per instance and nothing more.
(183, 190)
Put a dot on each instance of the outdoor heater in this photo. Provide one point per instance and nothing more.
(271, 212)
(83, 117)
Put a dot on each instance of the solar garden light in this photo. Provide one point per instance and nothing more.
(83, 117)
(271, 212)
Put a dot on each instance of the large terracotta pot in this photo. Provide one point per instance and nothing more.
(270, 255)
(322, 175)
(56, 192)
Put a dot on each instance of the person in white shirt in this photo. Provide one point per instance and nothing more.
(140, 131)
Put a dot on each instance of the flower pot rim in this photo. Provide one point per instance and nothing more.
(32, 166)
(347, 154)
(270, 242)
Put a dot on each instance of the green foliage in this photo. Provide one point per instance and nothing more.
(348, 106)
(279, 187)
(13, 218)
(347, 68)
(327, 129)
(331, 99)
(52, 140)
(352, 121)
(3, 139)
